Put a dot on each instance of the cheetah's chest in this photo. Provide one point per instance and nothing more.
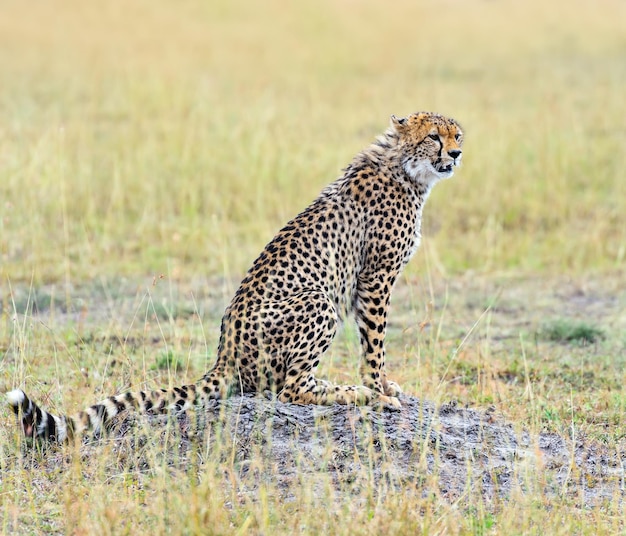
(417, 236)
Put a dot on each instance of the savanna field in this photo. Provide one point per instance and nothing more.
(148, 152)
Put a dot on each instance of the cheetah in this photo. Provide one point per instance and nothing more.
(340, 256)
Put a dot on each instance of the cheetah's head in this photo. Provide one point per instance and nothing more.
(430, 145)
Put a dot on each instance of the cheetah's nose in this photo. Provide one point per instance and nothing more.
(455, 153)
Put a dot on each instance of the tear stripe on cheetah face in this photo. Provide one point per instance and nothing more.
(340, 256)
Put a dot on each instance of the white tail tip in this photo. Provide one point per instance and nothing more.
(16, 397)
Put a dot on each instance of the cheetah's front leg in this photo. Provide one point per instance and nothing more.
(373, 296)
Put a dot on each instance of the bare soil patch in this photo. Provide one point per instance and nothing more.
(456, 450)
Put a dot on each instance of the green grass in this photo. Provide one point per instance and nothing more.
(572, 332)
(149, 150)
(168, 361)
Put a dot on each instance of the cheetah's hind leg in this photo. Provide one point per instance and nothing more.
(307, 389)
(300, 329)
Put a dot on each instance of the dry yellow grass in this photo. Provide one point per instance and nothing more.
(141, 138)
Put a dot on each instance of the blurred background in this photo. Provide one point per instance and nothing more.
(144, 137)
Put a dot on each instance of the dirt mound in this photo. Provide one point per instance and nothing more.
(460, 450)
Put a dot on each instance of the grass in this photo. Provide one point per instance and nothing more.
(566, 331)
(457, 349)
(119, 144)
(148, 152)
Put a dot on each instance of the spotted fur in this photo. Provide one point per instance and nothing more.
(340, 256)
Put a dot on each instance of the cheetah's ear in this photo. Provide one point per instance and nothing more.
(398, 123)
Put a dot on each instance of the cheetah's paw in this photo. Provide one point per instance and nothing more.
(388, 402)
(392, 389)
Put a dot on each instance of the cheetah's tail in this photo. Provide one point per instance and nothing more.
(37, 423)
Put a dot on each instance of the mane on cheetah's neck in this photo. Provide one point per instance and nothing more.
(384, 149)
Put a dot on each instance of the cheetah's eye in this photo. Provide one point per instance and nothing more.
(434, 137)
(457, 136)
